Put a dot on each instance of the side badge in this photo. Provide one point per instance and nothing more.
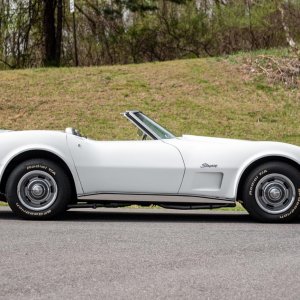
(206, 165)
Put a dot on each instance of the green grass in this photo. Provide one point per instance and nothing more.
(211, 96)
(238, 207)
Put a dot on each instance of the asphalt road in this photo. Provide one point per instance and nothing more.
(148, 254)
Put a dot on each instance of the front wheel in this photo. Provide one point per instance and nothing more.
(38, 189)
(271, 192)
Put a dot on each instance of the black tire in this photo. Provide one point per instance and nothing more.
(271, 192)
(38, 189)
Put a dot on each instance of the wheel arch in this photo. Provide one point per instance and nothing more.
(35, 154)
(258, 162)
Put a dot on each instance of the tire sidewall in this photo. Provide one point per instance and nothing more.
(53, 169)
(255, 176)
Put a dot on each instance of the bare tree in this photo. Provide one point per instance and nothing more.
(291, 42)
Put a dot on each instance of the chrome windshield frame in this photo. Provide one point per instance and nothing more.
(131, 116)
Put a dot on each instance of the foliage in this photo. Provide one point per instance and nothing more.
(134, 31)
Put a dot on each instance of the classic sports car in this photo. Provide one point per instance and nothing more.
(43, 173)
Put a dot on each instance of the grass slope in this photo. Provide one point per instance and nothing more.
(198, 96)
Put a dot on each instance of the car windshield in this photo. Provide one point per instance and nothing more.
(158, 130)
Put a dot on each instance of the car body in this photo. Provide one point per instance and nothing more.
(175, 172)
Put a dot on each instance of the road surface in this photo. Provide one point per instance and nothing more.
(148, 254)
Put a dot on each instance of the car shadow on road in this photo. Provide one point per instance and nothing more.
(155, 216)
(146, 215)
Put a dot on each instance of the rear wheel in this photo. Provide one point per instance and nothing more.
(38, 189)
(271, 192)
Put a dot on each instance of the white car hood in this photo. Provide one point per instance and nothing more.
(212, 139)
(245, 148)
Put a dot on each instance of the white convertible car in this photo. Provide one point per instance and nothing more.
(43, 173)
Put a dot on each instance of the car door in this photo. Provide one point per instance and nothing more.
(149, 166)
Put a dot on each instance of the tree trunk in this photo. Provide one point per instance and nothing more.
(286, 29)
(52, 33)
(59, 31)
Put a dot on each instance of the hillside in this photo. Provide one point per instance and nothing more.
(211, 97)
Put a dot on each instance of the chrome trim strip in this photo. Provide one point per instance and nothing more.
(155, 198)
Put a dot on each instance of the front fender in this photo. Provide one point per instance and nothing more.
(267, 155)
(65, 156)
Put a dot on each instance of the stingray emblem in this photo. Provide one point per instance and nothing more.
(205, 165)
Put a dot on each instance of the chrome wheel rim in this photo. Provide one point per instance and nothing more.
(275, 193)
(37, 190)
